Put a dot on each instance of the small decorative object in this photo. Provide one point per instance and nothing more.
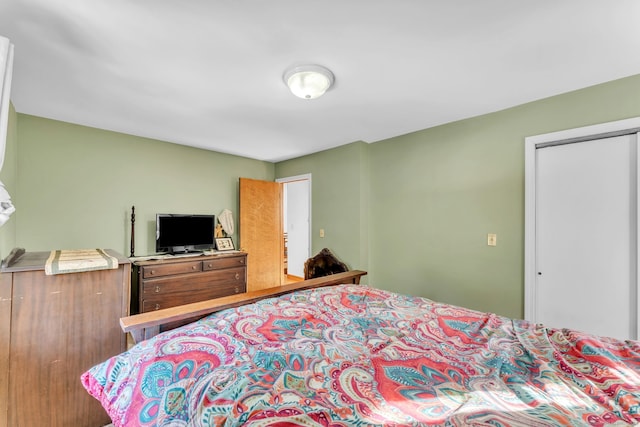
(218, 233)
(226, 220)
(224, 244)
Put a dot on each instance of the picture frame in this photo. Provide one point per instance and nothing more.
(224, 244)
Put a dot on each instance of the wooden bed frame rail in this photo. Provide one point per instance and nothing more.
(146, 325)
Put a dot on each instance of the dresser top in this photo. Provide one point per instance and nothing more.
(30, 261)
(157, 259)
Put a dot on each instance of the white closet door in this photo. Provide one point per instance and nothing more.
(586, 236)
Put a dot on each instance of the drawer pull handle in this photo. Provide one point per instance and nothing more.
(237, 289)
(237, 276)
(153, 272)
(157, 307)
(193, 267)
(210, 265)
(241, 260)
(157, 289)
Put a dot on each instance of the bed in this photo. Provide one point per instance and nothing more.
(354, 355)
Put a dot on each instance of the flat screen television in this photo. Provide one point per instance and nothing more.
(176, 233)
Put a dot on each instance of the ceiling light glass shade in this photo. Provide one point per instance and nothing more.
(308, 81)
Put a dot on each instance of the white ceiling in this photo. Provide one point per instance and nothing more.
(208, 73)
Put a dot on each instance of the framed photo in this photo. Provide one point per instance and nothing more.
(224, 244)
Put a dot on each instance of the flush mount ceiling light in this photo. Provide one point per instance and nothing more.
(308, 81)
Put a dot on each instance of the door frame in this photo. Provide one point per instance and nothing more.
(303, 177)
(569, 136)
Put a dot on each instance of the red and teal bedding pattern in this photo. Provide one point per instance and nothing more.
(357, 356)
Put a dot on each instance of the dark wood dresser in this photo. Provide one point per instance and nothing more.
(173, 281)
(52, 329)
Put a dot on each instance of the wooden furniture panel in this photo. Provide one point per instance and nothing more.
(323, 264)
(61, 325)
(5, 330)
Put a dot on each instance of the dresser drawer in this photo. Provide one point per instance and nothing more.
(215, 264)
(194, 282)
(158, 301)
(150, 271)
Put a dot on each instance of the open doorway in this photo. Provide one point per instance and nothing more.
(296, 219)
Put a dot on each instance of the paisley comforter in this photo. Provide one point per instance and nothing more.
(352, 355)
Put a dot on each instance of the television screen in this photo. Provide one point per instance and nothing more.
(184, 233)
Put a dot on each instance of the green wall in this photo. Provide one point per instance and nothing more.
(8, 176)
(339, 200)
(413, 210)
(435, 194)
(76, 185)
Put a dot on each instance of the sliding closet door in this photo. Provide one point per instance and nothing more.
(586, 238)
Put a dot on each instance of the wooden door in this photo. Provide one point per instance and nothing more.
(261, 232)
(586, 236)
